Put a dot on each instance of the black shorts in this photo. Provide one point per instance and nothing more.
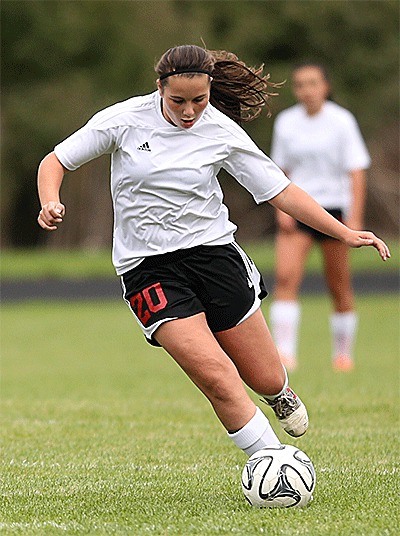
(317, 235)
(221, 281)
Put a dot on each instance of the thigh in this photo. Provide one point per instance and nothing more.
(193, 346)
(291, 250)
(338, 274)
(195, 349)
(251, 348)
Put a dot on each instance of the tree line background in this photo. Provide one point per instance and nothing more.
(63, 60)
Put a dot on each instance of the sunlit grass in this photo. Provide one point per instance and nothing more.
(103, 434)
(77, 264)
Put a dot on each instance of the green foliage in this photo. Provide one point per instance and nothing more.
(63, 60)
(103, 434)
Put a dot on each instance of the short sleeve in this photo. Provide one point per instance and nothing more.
(256, 172)
(278, 153)
(355, 152)
(84, 145)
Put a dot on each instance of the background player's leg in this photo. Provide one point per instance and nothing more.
(344, 320)
(291, 253)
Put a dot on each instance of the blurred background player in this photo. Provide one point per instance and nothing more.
(319, 146)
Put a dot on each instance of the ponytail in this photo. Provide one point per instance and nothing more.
(239, 91)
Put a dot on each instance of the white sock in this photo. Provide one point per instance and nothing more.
(255, 435)
(285, 320)
(344, 329)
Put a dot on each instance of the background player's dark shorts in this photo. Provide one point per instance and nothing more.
(221, 281)
(317, 235)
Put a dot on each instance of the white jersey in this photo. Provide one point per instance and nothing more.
(318, 152)
(164, 185)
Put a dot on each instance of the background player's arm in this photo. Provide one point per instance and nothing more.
(50, 177)
(355, 219)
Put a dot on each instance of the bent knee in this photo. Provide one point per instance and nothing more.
(287, 285)
(220, 381)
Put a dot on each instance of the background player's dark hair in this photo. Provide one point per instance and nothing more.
(239, 91)
(324, 71)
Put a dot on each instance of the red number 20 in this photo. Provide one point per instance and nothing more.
(143, 303)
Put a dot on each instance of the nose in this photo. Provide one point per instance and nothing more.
(188, 110)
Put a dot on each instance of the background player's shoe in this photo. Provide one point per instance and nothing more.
(290, 411)
(343, 363)
(289, 362)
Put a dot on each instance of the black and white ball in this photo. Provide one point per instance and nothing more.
(278, 476)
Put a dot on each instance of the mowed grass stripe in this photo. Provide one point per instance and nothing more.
(103, 434)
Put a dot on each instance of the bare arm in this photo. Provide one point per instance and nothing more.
(286, 224)
(298, 204)
(49, 180)
(358, 185)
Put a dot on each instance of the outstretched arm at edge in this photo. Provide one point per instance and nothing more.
(298, 204)
(49, 180)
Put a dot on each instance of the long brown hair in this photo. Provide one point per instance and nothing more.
(239, 91)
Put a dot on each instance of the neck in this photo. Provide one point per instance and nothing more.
(166, 116)
(314, 109)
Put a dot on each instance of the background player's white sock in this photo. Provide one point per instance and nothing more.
(344, 329)
(285, 320)
(255, 435)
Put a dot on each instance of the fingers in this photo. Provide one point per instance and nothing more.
(51, 214)
(380, 246)
(383, 249)
(369, 239)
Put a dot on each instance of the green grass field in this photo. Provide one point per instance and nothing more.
(43, 263)
(103, 434)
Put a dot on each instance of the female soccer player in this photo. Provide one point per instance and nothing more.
(320, 147)
(191, 288)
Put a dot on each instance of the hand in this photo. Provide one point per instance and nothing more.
(52, 212)
(356, 239)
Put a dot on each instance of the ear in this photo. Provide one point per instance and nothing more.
(160, 87)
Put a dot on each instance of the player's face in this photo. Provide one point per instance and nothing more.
(184, 99)
(310, 88)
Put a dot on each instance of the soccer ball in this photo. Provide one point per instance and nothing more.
(278, 476)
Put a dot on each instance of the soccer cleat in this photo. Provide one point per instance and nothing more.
(290, 411)
(343, 363)
(289, 362)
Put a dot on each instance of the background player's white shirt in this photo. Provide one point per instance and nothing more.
(163, 178)
(319, 151)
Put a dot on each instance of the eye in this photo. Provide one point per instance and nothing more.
(177, 101)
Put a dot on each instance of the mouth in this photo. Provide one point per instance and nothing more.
(188, 122)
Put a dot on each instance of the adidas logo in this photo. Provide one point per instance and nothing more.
(144, 147)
